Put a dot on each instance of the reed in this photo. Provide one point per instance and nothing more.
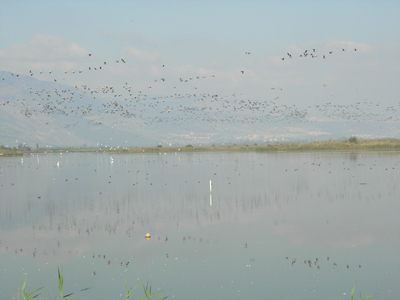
(148, 294)
(361, 296)
(350, 144)
(26, 295)
(8, 152)
(353, 144)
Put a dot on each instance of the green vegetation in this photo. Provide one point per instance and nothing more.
(352, 143)
(26, 295)
(7, 151)
(353, 139)
(361, 296)
(147, 292)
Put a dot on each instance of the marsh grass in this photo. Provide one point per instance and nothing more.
(353, 144)
(26, 295)
(379, 144)
(148, 294)
(8, 152)
(361, 296)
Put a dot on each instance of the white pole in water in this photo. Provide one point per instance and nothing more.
(210, 187)
(210, 193)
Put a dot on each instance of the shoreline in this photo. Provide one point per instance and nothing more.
(351, 144)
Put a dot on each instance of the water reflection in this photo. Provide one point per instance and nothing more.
(230, 221)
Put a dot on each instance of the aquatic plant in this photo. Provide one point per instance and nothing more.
(61, 286)
(147, 291)
(26, 295)
(361, 296)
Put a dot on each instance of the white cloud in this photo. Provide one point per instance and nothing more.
(134, 35)
(143, 55)
(143, 39)
(44, 47)
(348, 46)
(42, 52)
(303, 132)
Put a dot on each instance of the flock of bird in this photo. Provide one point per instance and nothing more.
(97, 105)
(312, 54)
(317, 263)
(92, 105)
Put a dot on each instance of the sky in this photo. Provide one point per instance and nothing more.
(297, 53)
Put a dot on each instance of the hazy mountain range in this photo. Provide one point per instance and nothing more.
(51, 114)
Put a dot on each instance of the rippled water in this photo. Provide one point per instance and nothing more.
(306, 225)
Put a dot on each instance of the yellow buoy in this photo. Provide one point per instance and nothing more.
(147, 236)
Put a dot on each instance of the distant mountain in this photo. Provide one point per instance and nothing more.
(53, 114)
(50, 114)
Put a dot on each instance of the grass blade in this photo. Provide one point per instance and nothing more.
(60, 281)
(148, 293)
(85, 289)
(364, 298)
(128, 293)
(28, 296)
(66, 296)
(352, 292)
(361, 296)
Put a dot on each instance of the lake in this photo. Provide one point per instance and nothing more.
(286, 225)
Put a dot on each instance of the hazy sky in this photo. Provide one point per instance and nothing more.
(219, 47)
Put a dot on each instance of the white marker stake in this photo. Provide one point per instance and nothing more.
(210, 193)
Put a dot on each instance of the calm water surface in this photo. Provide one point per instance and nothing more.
(303, 225)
